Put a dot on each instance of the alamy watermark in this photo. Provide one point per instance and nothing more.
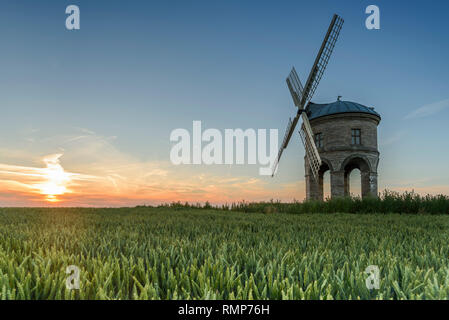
(73, 280)
(72, 22)
(373, 279)
(189, 148)
(373, 20)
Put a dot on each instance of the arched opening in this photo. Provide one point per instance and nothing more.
(355, 183)
(327, 185)
(320, 188)
(356, 177)
(324, 181)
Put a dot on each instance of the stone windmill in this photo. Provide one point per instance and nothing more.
(339, 136)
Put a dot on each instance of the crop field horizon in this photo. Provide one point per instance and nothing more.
(188, 253)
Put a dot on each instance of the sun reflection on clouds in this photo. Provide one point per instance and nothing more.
(56, 178)
(51, 182)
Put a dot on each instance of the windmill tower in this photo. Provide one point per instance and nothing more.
(339, 136)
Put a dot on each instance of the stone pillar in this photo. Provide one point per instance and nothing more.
(347, 184)
(314, 189)
(369, 184)
(337, 184)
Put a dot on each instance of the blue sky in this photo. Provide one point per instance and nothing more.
(139, 69)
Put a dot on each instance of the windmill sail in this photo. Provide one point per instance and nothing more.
(302, 95)
(322, 59)
(288, 134)
(295, 87)
(309, 145)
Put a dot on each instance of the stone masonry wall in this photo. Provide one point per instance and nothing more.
(340, 156)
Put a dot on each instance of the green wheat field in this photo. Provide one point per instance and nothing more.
(187, 253)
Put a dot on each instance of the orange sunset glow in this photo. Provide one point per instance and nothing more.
(57, 179)
(124, 185)
(121, 180)
(46, 184)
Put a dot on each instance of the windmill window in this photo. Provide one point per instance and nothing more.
(319, 140)
(356, 136)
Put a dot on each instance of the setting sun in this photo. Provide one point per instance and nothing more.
(56, 179)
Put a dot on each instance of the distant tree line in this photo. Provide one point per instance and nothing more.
(387, 202)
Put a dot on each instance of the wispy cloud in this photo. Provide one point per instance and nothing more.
(428, 110)
(40, 182)
(393, 138)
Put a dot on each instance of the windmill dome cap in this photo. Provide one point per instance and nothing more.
(315, 110)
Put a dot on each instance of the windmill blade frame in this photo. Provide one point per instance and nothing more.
(302, 95)
(308, 141)
(288, 134)
(322, 59)
(295, 86)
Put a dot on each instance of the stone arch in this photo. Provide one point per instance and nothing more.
(327, 163)
(362, 163)
(315, 188)
(339, 177)
(325, 167)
